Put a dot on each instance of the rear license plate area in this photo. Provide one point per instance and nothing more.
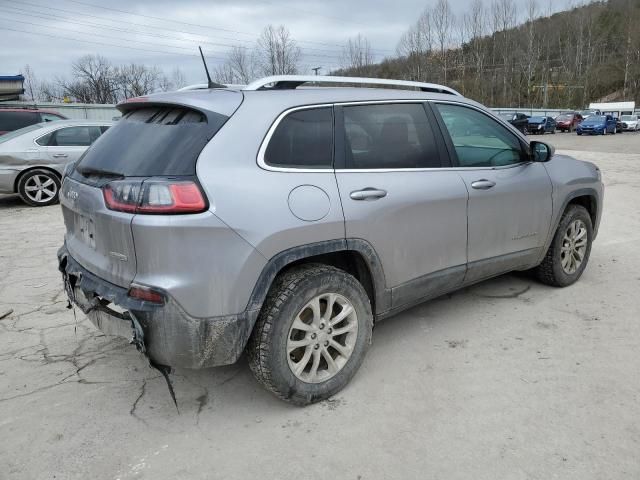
(85, 230)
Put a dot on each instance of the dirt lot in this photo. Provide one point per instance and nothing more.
(508, 379)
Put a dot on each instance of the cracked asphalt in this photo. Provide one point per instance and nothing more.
(508, 379)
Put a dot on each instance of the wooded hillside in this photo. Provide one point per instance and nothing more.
(508, 53)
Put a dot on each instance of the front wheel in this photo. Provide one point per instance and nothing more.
(39, 188)
(312, 334)
(569, 251)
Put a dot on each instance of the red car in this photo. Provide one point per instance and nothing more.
(14, 118)
(567, 122)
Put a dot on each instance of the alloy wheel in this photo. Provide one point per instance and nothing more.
(40, 188)
(322, 338)
(574, 247)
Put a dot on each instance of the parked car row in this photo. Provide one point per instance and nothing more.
(587, 122)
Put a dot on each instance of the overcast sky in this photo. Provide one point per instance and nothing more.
(177, 27)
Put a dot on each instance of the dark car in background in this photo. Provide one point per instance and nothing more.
(568, 122)
(541, 125)
(518, 120)
(597, 125)
(15, 118)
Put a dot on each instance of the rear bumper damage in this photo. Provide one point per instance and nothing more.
(166, 334)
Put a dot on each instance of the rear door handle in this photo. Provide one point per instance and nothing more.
(368, 194)
(60, 155)
(483, 184)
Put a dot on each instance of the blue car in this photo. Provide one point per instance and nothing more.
(542, 125)
(597, 125)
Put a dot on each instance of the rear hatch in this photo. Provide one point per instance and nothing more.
(149, 151)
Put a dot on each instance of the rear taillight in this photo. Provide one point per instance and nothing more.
(154, 196)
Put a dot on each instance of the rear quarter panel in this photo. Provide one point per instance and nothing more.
(253, 201)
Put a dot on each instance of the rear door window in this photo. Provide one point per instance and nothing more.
(10, 121)
(153, 141)
(303, 139)
(389, 136)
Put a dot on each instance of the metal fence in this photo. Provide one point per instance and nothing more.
(75, 111)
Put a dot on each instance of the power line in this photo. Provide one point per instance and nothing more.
(149, 27)
(98, 43)
(137, 41)
(173, 21)
(105, 36)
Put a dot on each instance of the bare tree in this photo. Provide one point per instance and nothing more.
(477, 25)
(356, 55)
(416, 45)
(224, 74)
(30, 81)
(277, 51)
(135, 80)
(532, 48)
(177, 78)
(94, 80)
(51, 91)
(443, 19)
(242, 62)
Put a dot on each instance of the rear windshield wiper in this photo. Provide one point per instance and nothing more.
(99, 172)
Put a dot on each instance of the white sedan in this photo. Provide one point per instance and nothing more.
(33, 158)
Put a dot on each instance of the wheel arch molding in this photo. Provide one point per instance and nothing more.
(368, 271)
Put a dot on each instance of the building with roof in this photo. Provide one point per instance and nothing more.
(11, 87)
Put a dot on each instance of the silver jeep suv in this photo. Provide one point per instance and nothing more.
(286, 221)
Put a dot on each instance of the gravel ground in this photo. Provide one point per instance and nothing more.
(508, 379)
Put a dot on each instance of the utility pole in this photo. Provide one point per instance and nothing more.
(316, 69)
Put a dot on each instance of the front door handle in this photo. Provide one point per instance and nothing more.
(60, 155)
(368, 194)
(483, 184)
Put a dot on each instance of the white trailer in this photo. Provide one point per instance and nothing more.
(614, 108)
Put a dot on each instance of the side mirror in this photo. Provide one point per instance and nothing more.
(541, 152)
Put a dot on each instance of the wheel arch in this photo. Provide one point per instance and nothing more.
(355, 256)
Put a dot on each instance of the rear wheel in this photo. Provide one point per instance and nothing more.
(312, 334)
(39, 188)
(569, 251)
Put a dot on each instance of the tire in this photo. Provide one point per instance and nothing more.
(551, 271)
(39, 188)
(290, 298)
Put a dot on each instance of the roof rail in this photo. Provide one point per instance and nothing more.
(284, 82)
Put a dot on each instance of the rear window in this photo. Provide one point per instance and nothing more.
(152, 141)
(10, 121)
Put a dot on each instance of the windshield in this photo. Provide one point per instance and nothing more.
(563, 118)
(536, 119)
(595, 119)
(627, 118)
(17, 133)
